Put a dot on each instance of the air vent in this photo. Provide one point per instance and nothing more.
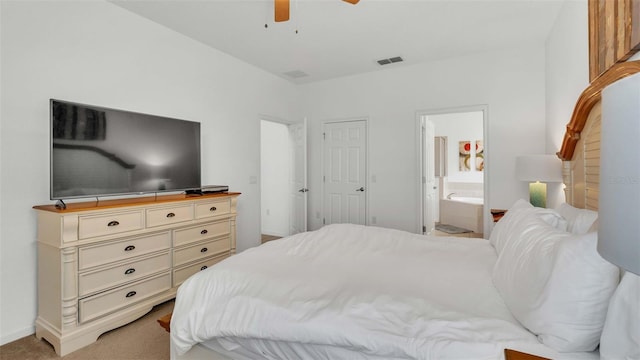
(296, 74)
(390, 60)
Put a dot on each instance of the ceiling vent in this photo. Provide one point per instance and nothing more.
(295, 74)
(390, 60)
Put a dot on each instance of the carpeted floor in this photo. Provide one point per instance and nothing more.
(142, 339)
(266, 238)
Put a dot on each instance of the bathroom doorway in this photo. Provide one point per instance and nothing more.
(452, 182)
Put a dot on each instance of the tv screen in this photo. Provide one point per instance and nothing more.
(97, 151)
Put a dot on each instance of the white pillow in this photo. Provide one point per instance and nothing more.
(579, 221)
(508, 226)
(556, 284)
(621, 334)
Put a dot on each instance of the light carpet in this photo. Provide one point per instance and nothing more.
(142, 339)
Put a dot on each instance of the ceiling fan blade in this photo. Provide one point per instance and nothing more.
(351, 1)
(281, 10)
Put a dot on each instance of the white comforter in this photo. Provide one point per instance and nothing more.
(348, 289)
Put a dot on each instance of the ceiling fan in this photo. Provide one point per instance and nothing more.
(282, 9)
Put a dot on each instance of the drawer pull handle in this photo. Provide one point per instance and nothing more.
(129, 248)
(130, 271)
(204, 267)
(113, 223)
(203, 250)
(130, 294)
(170, 215)
(204, 232)
(213, 208)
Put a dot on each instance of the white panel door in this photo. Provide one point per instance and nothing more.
(344, 172)
(298, 177)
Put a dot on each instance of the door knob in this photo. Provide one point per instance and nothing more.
(303, 190)
(361, 189)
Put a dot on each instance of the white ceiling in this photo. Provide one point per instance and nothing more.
(335, 38)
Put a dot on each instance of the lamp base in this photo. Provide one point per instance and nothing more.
(538, 194)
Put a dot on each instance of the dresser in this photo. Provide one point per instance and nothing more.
(103, 264)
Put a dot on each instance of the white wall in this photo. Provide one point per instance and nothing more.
(467, 126)
(274, 179)
(567, 75)
(510, 83)
(97, 53)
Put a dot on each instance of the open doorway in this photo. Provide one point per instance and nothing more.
(283, 173)
(452, 183)
(274, 185)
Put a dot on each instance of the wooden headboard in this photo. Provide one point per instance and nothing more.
(580, 149)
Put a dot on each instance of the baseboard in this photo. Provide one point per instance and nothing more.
(5, 339)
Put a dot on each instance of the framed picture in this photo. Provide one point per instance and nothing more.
(464, 149)
(479, 155)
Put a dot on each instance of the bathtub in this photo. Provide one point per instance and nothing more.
(464, 212)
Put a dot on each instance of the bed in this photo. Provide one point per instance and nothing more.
(537, 285)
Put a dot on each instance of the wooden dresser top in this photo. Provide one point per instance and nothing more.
(115, 203)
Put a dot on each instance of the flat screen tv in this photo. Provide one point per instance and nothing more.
(97, 152)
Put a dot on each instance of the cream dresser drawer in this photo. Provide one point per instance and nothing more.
(95, 255)
(201, 232)
(104, 303)
(115, 223)
(213, 208)
(102, 279)
(182, 274)
(169, 215)
(104, 263)
(201, 250)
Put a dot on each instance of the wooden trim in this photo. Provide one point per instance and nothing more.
(614, 33)
(635, 25)
(517, 355)
(593, 38)
(589, 97)
(497, 214)
(165, 322)
(115, 203)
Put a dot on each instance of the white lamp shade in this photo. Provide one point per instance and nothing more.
(619, 203)
(545, 168)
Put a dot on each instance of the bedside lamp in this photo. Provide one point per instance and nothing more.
(538, 170)
(619, 214)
